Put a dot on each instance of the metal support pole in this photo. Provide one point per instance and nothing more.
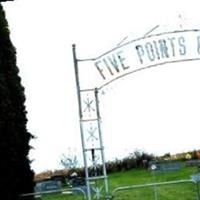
(80, 116)
(101, 144)
(91, 138)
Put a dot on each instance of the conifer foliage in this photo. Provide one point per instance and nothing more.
(16, 177)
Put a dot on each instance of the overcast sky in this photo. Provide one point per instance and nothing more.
(155, 110)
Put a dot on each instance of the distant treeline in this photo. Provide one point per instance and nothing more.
(135, 160)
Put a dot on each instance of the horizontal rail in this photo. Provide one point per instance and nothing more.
(151, 185)
(97, 177)
(64, 191)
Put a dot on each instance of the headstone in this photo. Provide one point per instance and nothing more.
(48, 186)
(191, 163)
(166, 166)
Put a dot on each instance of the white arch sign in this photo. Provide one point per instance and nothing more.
(148, 52)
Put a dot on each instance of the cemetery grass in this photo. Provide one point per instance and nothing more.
(184, 191)
(142, 176)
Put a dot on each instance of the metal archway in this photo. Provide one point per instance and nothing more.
(128, 58)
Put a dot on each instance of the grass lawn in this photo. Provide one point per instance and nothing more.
(181, 191)
(134, 177)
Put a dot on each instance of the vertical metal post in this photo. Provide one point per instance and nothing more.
(101, 144)
(80, 116)
(91, 138)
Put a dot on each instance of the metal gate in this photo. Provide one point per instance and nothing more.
(171, 190)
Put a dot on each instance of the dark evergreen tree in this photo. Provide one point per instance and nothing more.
(16, 176)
